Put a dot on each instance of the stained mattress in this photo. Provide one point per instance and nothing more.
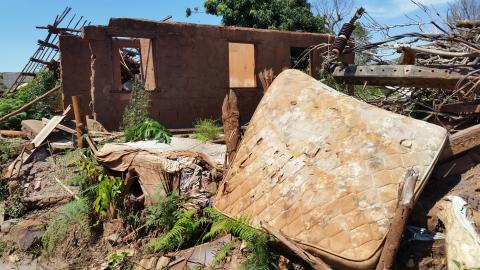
(325, 168)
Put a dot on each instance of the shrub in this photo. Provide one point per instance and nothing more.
(75, 212)
(207, 129)
(148, 129)
(137, 108)
(42, 83)
(120, 260)
(109, 190)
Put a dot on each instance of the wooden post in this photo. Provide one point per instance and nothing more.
(231, 124)
(79, 120)
(404, 207)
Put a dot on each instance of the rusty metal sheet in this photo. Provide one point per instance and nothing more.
(241, 63)
(325, 168)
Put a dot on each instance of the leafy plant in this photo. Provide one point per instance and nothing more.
(77, 180)
(165, 213)
(207, 129)
(42, 83)
(109, 190)
(120, 260)
(75, 212)
(182, 231)
(148, 129)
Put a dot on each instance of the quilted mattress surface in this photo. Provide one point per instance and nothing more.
(325, 169)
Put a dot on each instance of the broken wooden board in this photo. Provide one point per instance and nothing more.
(324, 169)
(28, 152)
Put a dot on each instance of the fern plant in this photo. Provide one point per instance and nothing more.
(182, 231)
(206, 129)
(148, 129)
(261, 257)
(109, 190)
(221, 254)
(165, 213)
(75, 212)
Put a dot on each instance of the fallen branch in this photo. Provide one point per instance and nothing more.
(31, 103)
(66, 188)
(314, 262)
(394, 236)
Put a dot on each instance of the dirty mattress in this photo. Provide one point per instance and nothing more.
(325, 169)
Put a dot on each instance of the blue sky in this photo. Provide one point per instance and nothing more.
(19, 17)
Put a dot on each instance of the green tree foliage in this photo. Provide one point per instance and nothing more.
(292, 15)
(42, 83)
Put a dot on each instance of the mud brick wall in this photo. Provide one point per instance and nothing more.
(190, 67)
(75, 70)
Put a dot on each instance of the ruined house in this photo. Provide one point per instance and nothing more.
(187, 67)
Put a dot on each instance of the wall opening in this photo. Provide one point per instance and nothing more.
(300, 58)
(130, 67)
(241, 63)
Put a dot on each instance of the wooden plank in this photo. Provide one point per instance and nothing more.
(27, 153)
(401, 75)
(61, 127)
(461, 141)
(49, 127)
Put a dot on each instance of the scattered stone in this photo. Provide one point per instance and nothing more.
(6, 225)
(113, 238)
(162, 263)
(37, 185)
(13, 258)
(27, 232)
(146, 264)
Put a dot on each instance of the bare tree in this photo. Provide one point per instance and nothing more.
(463, 10)
(333, 12)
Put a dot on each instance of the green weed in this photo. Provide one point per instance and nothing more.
(73, 213)
(207, 129)
(3, 246)
(8, 150)
(120, 260)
